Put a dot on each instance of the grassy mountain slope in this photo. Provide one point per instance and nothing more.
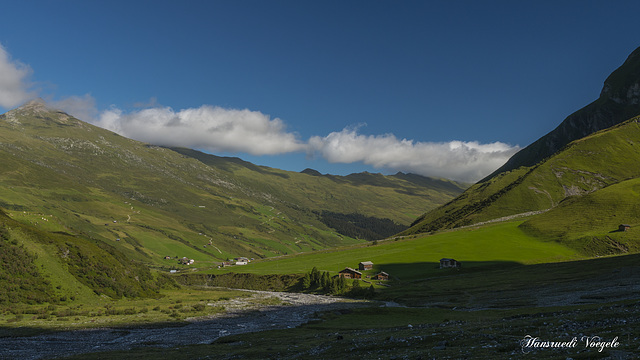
(45, 267)
(584, 166)
(618, 101)
(365, 193)
(593, 149)
(590, 223)
(60, 174)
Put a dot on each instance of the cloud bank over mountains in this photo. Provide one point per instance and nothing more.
(14, 81)
(458, 160)
(208, 127)
(217, 129)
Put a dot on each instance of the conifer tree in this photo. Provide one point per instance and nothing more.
(315, 276)
(342, 284)
(355, 284)
(326, 281)
(306, 281)
(334, 287)
(371, 292)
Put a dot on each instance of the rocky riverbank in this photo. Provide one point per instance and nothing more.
(243, 315)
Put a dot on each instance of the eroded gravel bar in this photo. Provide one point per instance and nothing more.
(244, 315)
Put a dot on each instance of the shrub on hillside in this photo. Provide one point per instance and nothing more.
(20, 280)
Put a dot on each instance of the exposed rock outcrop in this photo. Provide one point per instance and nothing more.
(619, 101)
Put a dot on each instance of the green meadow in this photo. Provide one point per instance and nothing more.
(583, 167)
(590, 223)
(414, 258)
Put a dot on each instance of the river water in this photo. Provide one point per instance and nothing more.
(242, 317)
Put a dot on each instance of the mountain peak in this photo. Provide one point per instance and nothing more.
(37, 105)
(39, 111)
(623, 85)
(312, 172)
(619, 101)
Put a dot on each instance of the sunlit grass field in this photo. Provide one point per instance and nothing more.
(420, 256)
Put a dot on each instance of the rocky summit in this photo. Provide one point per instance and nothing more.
(619, 100)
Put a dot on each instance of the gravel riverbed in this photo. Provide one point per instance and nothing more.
(243, 315)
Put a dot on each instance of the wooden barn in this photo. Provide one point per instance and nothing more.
(381, 276)
(349, 273)
(624, 227)
(449, 263)
(365, 265)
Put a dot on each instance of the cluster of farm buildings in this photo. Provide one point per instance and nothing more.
(349, 273)
(237, 261)
(183, 261)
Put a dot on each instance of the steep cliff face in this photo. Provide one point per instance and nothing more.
(619, 100)
(623, 85)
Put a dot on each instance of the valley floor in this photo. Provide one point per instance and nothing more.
(484, 310)
(556, 307)
(263, 310)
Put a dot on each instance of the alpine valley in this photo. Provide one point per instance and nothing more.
(154, 206)
(546, 247)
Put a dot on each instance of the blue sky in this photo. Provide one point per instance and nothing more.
(441, 88)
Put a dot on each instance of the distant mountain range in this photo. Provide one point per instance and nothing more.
(64, 175)
(85, 211)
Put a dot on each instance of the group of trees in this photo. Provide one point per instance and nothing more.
(105, 270)
(322, 282)
(20, 280)
(96, 264)
(270, 282)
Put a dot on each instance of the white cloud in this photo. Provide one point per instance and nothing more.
(244, 131)
(207, 127)
(464, 161)
(14, 84)
(82, 107)
(217, 129)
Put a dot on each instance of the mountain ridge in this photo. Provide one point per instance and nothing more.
(150, 201)
(586, 166)
(619, 100)
(579, 157)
